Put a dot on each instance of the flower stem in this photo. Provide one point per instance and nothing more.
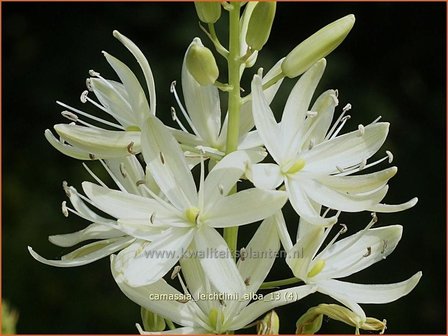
(278, 283)
(234, 102)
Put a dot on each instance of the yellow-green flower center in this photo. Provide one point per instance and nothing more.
(192, 215)
(133, 128)
(213, 317)
(296, 167)
(317, 268)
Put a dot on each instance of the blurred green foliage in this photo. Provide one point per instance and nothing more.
(392, 64)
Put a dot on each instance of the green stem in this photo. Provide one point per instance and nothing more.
(278, 283)
(170, 324)
(234, 102)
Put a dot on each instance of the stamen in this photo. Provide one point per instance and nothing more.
(369, 252)
(201, 185)
(162, 158)
(140, 182)
(361, 130)
(117, 182)
(83, 97)
(92, 157)
(152, 218)
(64, 209)
(130, 149)
(221, 189)
(183, 110)
(340, 169)
(123, 170)
(374, 218)
(390, 156)
(344, 228)
(376, 120)
(247, 281)
(311, 145)
(243, 254)
(347, 107)
(176, 119)
(70, 116)
(94, 176)
(176, 271)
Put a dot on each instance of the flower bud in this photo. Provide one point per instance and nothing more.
(151, 321)
(208, 11)
(260, 24)
(201, 63)
(310, 322)
(317, 46)
(269, 325)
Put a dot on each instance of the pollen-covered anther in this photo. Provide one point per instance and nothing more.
(69, 115)
(368, 253)
(152, 217)
(343, 229)
(162, 158)
(361, 130)
(175, 272)
(83, 96)
(247, 281)
(130, 148)
(140, 182)
(374, 217)
(123, 170)
(347, 107)
(92, 156)
(390, 156)
(64, 209)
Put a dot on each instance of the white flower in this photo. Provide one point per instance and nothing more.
(345, 257)
(202, 112)
(314, 162)
(187, 215)
(125, 102)
(201, 308)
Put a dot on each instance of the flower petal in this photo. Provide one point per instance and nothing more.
(345, 150)
(143, 62)
(99, 142)
(171, 309)
(202, 104)
(166, 162)
(244, 207)
(359, 251)
(93, 231)
(282, 231)
(153, 261)
(380, 207)
(65, 149)
(219, 266)
(123, 205)
(264, 120)
(136, 95)
(265, 175)
(86, 254)
(294, 114)
(270, 301)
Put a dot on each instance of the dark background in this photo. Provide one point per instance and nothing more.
(392, 64)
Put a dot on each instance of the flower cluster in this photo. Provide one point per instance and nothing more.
(160, 224)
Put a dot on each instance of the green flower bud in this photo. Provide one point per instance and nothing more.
(269, 325)
(260, 24)
(151, 321)
(201, 63)
(310, 322)
(208, 11)
(317, 46)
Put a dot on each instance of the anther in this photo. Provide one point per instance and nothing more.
(176, 271)
(69, 115)
(347, 107)
(64, 209)
(311, 114)
(374, 217)
(247, 281)
(89, 84)
(184, 300)
(83, 97)
(162, 158)
(140, 182)
(361, 130)
(369, 252)
(172, 86)
(311, 145)
(93, 73)
(152, 218)
(344, 228)
(347, 117)
(173, 114)
(340, 169)
(91, 156)
(390, 156)
(384, 246)
(66, 188)
(243, 254)
(201, 149)
(129, 147)
(221, 189)
(123, 170)
(362, 165)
